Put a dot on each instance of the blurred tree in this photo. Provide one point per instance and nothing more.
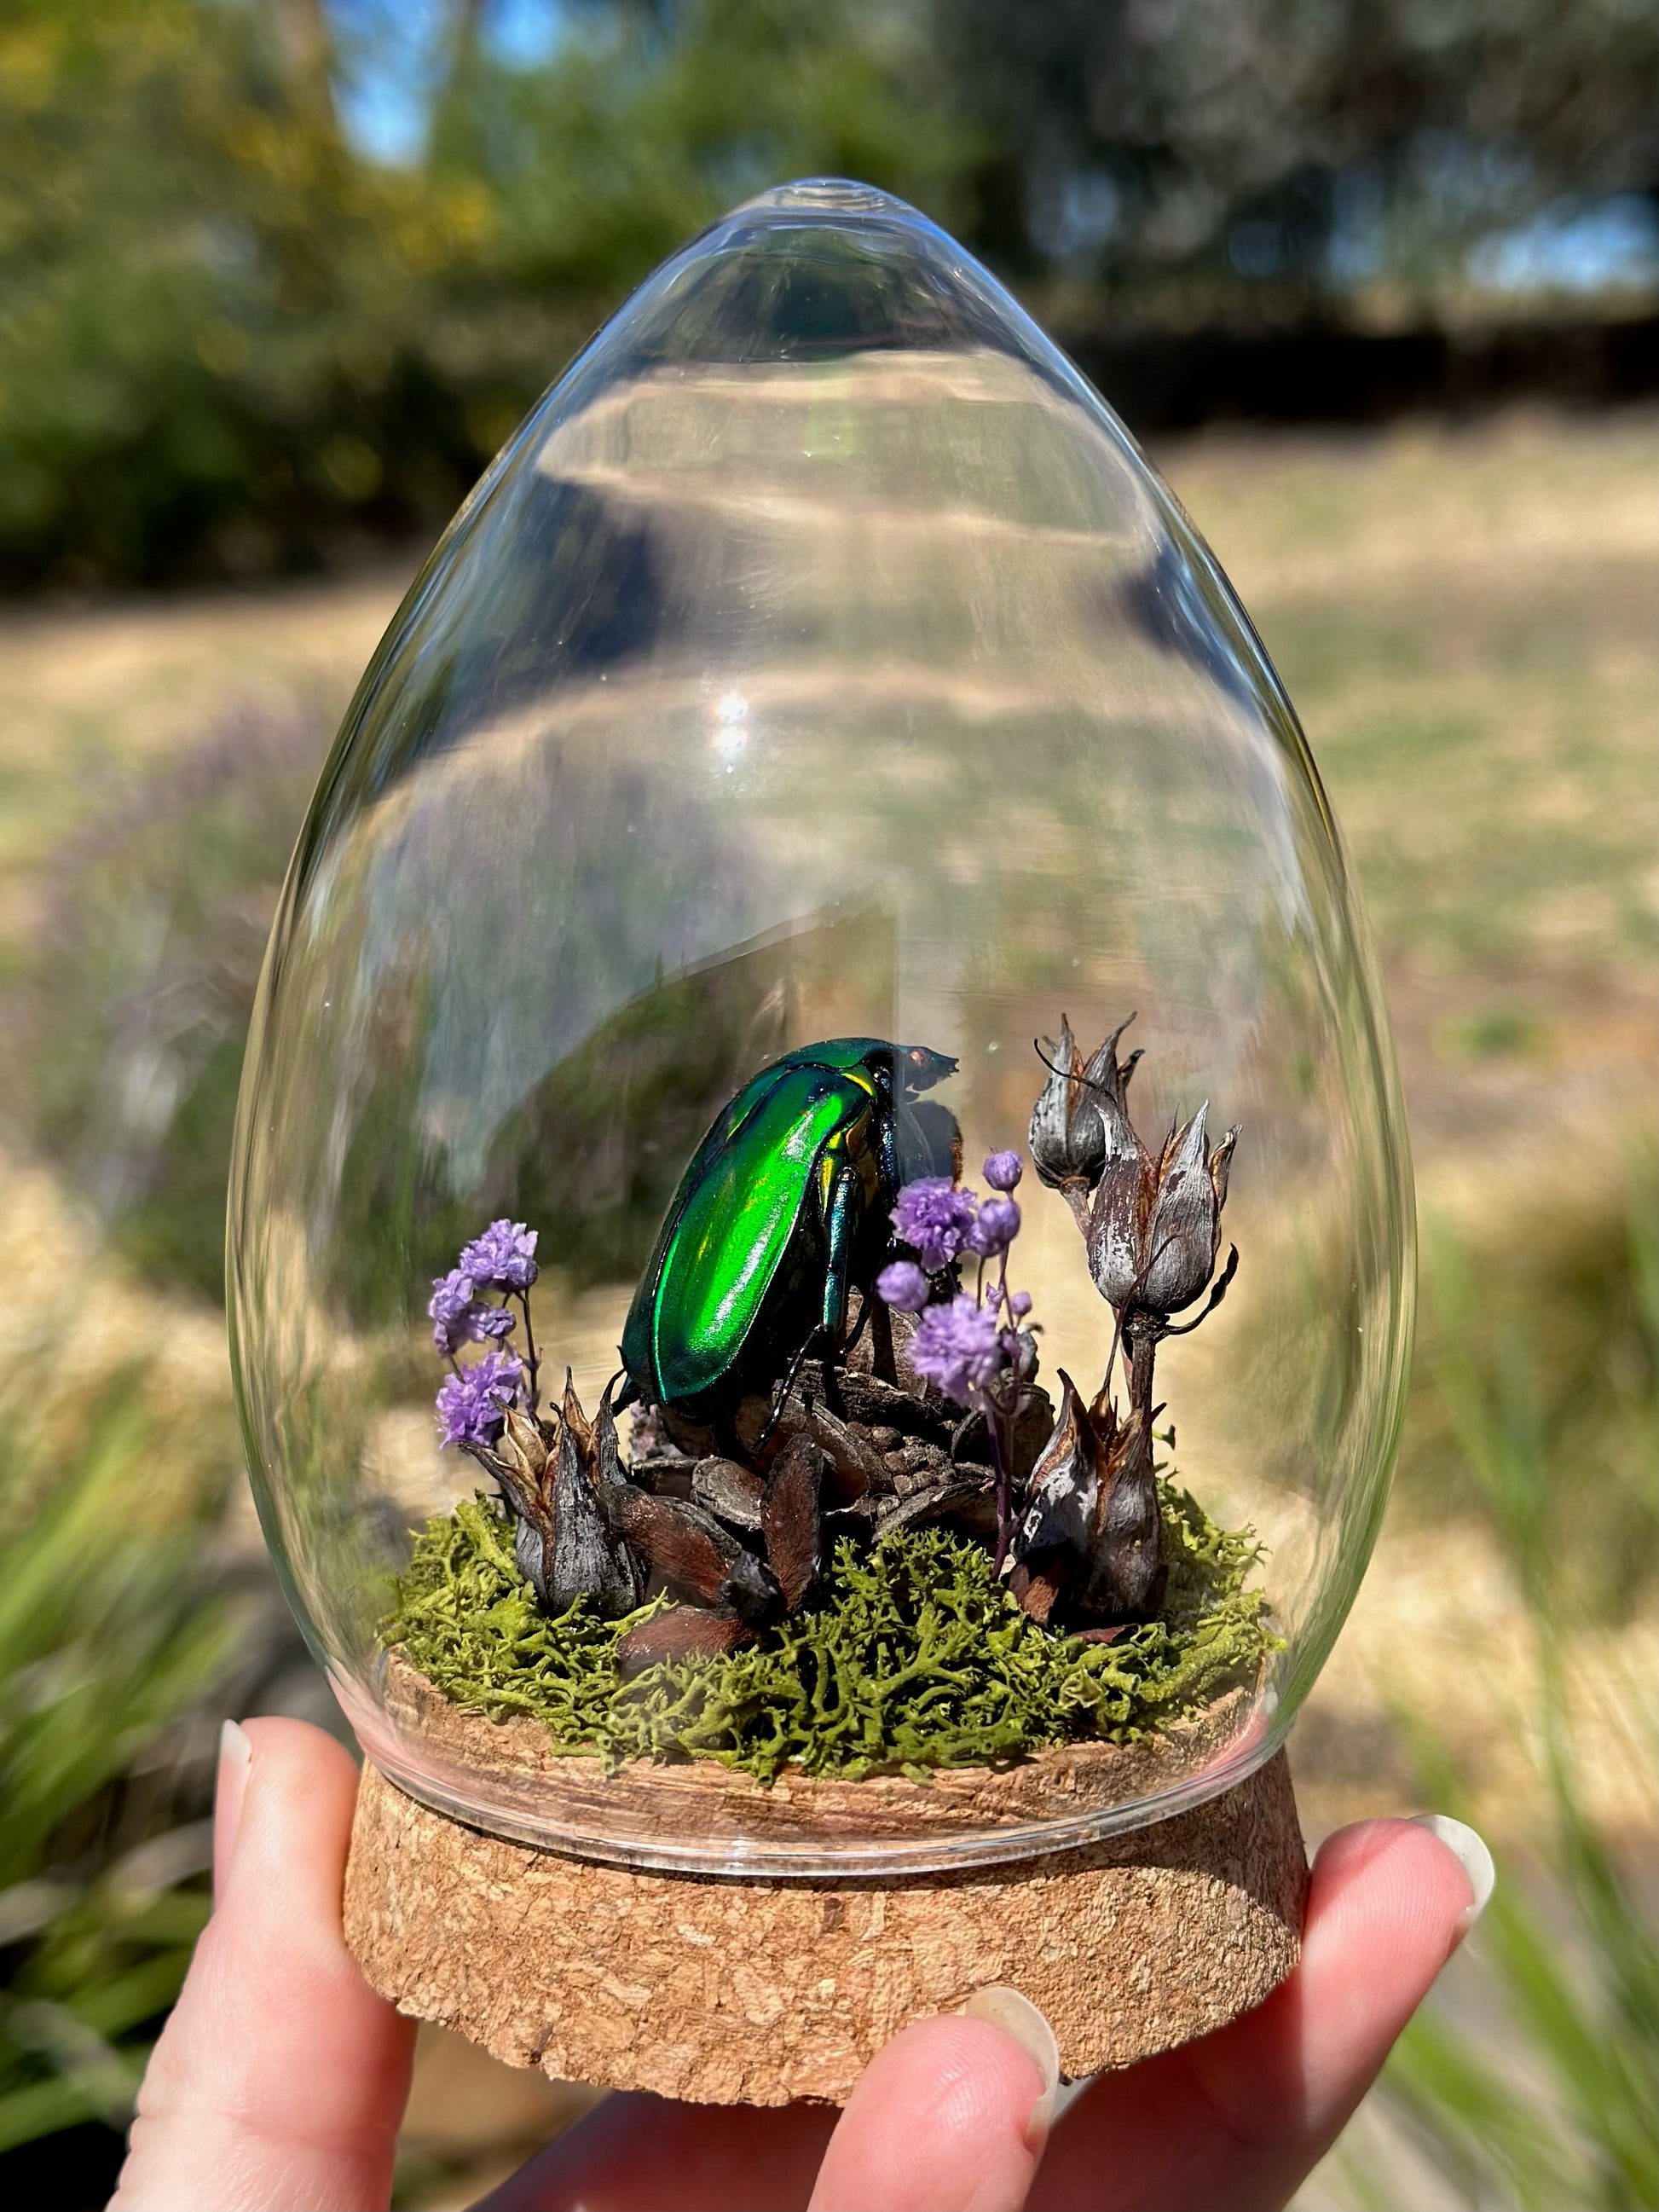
(208, 299)
(274, 271)
(224, 332)
(1210, 157)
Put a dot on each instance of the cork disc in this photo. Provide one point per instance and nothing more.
(727, 1991)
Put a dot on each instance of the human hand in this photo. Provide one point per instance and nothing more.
(280, 2080)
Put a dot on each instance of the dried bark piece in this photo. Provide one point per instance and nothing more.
(791, 1519)
(857, 1465)
(731, 1493)
(693, 1553)
(680, 1631)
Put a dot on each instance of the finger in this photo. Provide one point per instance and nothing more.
(281, 2078)
(640, 2153)
(951, 2116)
(1240, 2118)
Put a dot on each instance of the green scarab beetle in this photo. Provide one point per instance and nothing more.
(783, 1211)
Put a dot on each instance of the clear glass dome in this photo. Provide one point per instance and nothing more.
(820, 660)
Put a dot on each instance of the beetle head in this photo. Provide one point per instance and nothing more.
(920, 1068)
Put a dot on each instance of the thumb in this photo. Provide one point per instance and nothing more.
(951, 2116)
(279, 2081)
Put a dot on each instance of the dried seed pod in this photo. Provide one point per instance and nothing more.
(572, 1414)
(1184, 1233)
(586, 1558)
(525, 1438)
(607, 1457)
(1152, 1224)
(1088, 1546)
(1069, 1140)
(561, 1539)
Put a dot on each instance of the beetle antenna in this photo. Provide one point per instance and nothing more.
(1070, 1074)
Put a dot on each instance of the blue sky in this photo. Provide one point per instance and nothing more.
(392, 52)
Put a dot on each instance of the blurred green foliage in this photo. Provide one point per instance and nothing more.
(224, 334)
(142, 984)
(1536, 1391)
(229, 341)
(1566, 2113)
(111, 1632)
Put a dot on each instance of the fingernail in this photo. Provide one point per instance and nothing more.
(1470, 1851)
(1022, 2023)
(235, 1764)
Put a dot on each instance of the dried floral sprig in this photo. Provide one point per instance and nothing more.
(971, 1345)
(503, 1259)
(459, 1315)
(474, 1402)
(935, 1216)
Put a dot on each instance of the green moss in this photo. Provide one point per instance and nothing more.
(914, 1656)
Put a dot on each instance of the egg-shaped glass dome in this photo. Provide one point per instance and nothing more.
(682, 1437)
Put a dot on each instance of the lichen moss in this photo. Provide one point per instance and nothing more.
(912, 1656)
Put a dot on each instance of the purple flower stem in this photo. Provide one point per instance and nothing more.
(1004, 1490)
(531, 1359)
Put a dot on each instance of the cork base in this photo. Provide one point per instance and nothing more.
(722, 1992)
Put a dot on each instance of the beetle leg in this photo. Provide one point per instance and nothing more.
(837, 1275)
(781, 1397)
(838, 1237)
(890, 1159)
(868, 1301)
(882, 1365)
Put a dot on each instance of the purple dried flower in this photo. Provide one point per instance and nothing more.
(1003, 1171)
(959, 1346)
(450, 1307)
(903, 1286)
(473, 1404)
(934, 1215)
(460, 1316)
(1019, 1304)
(996, 1228)
(503, 1258)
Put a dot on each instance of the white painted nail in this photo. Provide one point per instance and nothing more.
(1470, 1851)
(235, 1765)
(1022, 2023)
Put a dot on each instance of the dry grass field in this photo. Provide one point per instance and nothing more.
(1466, 619)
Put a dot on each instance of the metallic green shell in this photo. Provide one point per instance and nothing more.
(729, 1245)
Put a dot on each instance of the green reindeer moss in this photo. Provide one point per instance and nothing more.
(912, 1655)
